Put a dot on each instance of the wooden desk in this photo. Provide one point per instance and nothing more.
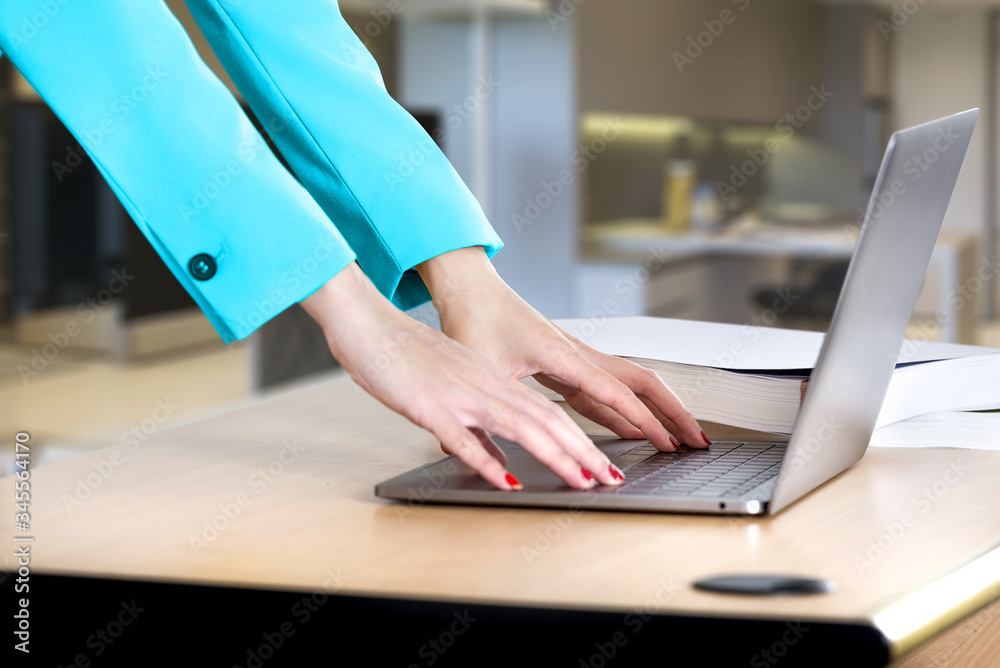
(288, 484)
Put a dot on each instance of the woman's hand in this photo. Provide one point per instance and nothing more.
(480, 311)
(457, 394)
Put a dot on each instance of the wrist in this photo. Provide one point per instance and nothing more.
(459, 278)
(345, 304)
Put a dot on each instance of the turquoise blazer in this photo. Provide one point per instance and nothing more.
(244, 237)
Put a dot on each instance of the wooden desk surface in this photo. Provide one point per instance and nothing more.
(288, 484)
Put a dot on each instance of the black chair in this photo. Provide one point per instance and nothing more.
(813, 301)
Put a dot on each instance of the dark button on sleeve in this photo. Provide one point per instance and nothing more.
(202, 266)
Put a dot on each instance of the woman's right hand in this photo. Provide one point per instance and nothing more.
(455, 393)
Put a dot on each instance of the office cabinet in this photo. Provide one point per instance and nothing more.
(728, 60)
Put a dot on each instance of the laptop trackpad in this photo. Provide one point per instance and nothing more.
(535, 476)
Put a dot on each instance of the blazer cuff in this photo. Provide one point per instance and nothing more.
(371, 167)
(238, 285)
(233, 225)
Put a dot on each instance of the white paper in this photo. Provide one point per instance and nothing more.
(976, 431)
(725, 346)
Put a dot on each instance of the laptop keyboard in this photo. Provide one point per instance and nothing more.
(726, 470)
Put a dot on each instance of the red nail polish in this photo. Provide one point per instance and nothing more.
(513, 482)
(615, 472)
(587, 474)
(673, 442)
(707, 442)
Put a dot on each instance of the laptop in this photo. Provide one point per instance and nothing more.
(846, 388)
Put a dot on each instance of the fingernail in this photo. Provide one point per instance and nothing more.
(673, 442)
(514, 484)
(707, 442)
(616, 472)
(587, 474)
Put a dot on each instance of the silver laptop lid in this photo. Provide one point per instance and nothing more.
(856, 363)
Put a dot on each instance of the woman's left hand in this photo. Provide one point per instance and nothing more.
(480, 311)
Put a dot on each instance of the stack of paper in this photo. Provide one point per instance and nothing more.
(979, 431)
(752, 377)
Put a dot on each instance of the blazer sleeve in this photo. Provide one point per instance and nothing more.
(232, 224)
(370, 166)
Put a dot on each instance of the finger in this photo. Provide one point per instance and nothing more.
(589, 408)
(610, 391)
(602, 415)
(664, 420)
(550, 408)
(646, 384)
(667, 422)
(571, 438)
(564, 431)
(662, 401)
(513, 423)
(491, 447)
(464, 444)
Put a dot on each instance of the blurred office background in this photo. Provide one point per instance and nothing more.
(700, 160)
